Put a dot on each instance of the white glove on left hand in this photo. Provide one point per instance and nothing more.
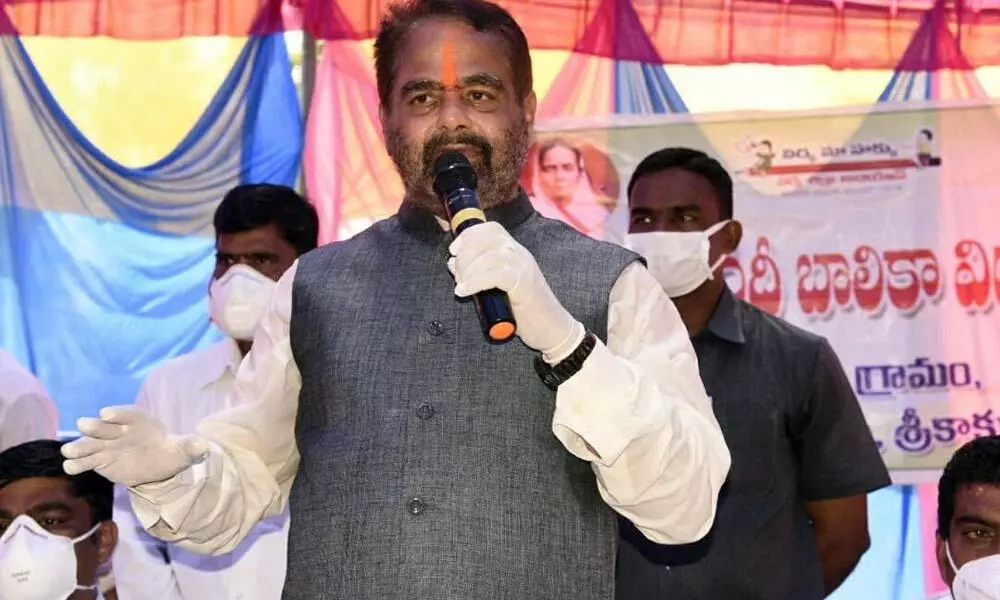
(486, 257)
(129, 446)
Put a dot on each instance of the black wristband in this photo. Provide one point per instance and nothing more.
(555, 375)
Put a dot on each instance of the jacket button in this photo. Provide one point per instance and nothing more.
(435, 328)
(425, 411)
(415, 506)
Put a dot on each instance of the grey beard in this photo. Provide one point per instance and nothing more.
(498, 183)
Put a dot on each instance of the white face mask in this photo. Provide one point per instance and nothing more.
(977, 579)
(677, 259)
(237, 301)
(36, 564)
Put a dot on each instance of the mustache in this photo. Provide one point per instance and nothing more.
(435, 145)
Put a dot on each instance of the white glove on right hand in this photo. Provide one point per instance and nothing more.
(131, 447)
(487, 256)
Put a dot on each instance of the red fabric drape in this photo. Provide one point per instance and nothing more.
(145, 19)
(694, 32)
(152, 19)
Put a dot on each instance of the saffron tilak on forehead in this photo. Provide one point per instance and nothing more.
(449, 64)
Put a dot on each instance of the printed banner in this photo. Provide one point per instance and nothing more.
(877, 230)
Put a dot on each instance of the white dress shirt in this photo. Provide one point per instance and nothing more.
(26, 411)
(180, 393)
(637, 410)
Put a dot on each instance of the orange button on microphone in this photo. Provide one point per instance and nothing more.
(501, 332)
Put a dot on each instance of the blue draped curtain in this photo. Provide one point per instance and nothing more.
(104, 269)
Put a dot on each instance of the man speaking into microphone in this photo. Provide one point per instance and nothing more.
(420, 458)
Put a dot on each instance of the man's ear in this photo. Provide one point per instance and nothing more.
(734, 235)
(530, 107)
(944, 565)
(107, 540)
(383, 116)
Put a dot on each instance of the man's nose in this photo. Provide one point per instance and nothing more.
(453, 113)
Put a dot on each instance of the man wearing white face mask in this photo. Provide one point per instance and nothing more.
(792, 520)
(55, 529)
(968, 536)
(260, 231)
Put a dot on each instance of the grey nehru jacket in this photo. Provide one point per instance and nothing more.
(796, 434)
(429, 469)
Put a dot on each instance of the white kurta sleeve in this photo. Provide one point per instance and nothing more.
(212, 506)
(638, 411)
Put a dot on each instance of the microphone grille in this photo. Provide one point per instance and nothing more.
(452, 170)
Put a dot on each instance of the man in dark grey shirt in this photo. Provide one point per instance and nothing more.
(792, 518)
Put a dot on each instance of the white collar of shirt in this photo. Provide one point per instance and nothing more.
(218, 359)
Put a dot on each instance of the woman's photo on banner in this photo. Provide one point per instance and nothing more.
(572, 181)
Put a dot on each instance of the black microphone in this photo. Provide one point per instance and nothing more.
(455, 183)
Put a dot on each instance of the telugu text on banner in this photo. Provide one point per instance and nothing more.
(879, 230)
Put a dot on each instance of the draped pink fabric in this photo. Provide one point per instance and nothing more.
(349, 176)
(584, 86)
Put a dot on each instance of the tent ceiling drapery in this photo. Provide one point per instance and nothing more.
(933, 67)
(871, 34)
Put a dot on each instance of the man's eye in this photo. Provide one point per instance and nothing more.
(478, 96)
(50, 523)
(641, 220)
(420, 99)
(979, 534)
